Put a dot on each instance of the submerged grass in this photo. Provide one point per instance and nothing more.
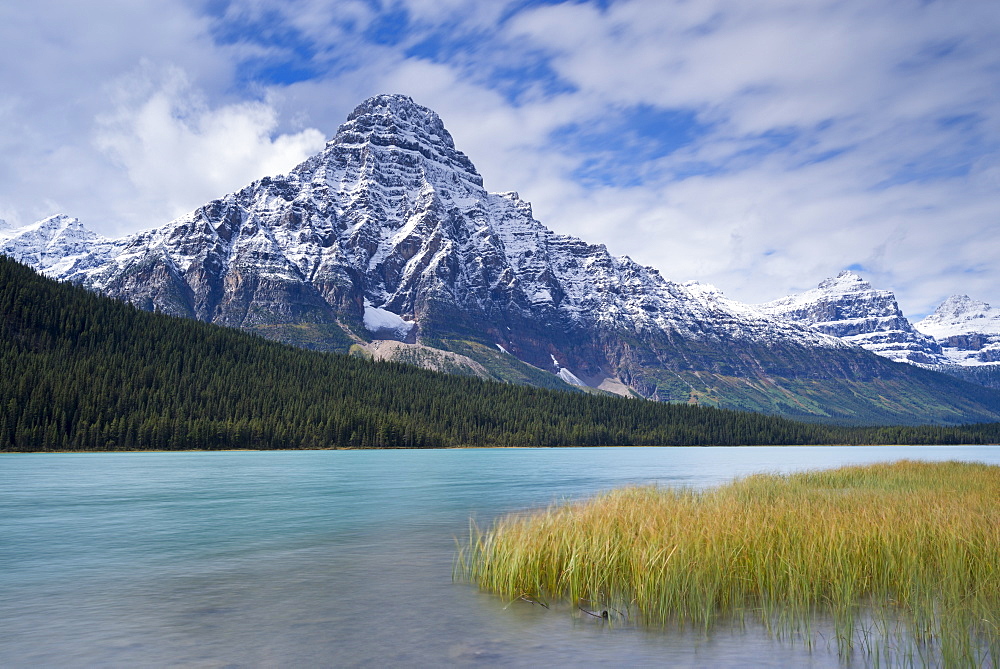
(904, 558)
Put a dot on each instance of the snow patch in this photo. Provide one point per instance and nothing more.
(381, 321)
(566, 375)
(570, 378)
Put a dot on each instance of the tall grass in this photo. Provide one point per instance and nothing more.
(904, 558)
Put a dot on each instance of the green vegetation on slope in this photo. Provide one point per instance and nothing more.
(83, 372)
(846, 386)
(901, 556)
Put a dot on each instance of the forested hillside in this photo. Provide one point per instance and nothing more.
(83, 372)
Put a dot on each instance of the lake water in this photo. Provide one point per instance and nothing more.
(332, 558)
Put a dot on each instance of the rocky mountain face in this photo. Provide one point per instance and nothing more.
(389, 234)
(849, 308)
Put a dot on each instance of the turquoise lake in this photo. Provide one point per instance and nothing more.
(333, 558)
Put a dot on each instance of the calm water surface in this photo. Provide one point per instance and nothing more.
(332, 558)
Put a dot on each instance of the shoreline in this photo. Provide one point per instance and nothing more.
(482, 448)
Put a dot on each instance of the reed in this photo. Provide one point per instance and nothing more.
(903, 558)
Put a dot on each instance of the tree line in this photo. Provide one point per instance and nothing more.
(82, 372)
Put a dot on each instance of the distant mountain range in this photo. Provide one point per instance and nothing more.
(386, 244)
(961, 337)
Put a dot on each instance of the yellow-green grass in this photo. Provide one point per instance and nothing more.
(903, 558)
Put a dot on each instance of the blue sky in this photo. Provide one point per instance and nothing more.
(760, 146)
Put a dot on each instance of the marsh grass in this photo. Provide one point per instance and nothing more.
(903, 558)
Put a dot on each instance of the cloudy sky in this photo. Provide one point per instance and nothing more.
(761, 146)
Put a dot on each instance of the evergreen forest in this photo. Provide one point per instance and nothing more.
(82, 372)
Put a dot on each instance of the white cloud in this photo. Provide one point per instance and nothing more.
(56, 61)
(178, 150)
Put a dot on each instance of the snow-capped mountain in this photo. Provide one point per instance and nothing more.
(389, 233)
(967, 330)
(390, 215)
(56, 246)
(847, 307)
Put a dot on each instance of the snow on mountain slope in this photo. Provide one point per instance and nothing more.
(967, 330)
(379, 321)
(847, 307)
(591, 287)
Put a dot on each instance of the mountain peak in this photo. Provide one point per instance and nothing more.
(958, 306)
(395, 126)
(54, 245)
(61, 222)
(399, 115)
(46, 229)
(846, 281)
(391, 104)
